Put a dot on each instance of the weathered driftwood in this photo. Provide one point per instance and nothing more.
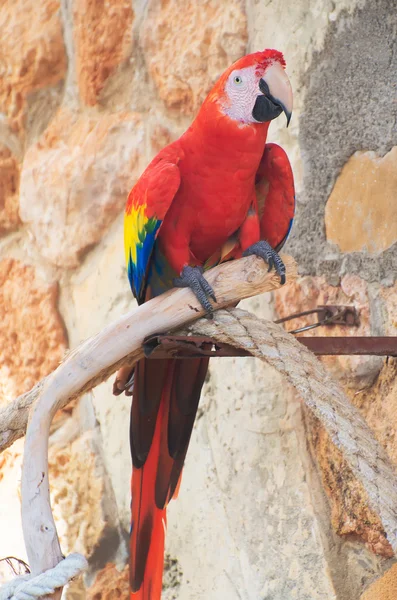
(120, 343)
(94, 361)
(14, 417)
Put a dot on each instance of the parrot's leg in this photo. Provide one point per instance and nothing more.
(265, 251)
(193, 278)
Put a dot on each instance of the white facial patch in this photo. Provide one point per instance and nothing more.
(242, 90)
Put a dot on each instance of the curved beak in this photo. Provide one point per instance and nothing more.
(276, 86)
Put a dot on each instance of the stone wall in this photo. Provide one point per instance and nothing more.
(89, 92)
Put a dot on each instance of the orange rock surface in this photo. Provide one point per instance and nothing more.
(32, 53)
(103, 37)
(76, 179)
(32, 336)
(384, 588)
(199, 40)
(110, 584)
(9, 190)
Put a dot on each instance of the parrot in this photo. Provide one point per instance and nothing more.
(217, 193)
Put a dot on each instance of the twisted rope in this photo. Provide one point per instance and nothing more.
(30, 587)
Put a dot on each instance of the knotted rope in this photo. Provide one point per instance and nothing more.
(30, 587)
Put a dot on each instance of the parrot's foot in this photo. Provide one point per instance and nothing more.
(193, 278)
(264, 250)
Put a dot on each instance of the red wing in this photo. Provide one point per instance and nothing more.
(276, 196)
(147, 205)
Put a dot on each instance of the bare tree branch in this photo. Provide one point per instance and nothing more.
(249, 274)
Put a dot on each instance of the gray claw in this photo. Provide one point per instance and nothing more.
(264, 250)
(193, 278)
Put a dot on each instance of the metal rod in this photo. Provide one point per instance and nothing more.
(354, 345)
(168, 346)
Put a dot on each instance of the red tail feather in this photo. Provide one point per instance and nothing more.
(174, 388)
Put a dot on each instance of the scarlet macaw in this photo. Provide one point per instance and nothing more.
(218, 192)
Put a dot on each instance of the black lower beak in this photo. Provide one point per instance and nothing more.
(267, 107)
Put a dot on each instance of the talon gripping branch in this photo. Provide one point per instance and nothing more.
(215, 194)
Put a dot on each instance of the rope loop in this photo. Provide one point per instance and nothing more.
(31, 587)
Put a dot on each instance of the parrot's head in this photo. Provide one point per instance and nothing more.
(255, 89)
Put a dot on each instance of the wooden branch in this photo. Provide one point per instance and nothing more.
(249, 274)
(14, 417)
(94, 361)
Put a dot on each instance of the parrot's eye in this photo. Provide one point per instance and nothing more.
(238, 80)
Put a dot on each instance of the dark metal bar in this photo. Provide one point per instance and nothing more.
(168, 346)
(177, 346)
(373, 346)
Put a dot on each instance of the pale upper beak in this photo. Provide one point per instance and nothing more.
(278, 88)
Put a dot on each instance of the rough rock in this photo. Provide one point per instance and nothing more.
(32, 336)
(76, 179)
(378, 404)
(77, 491)
(187, 46)
(361, 212)
(389, 300)
(9, 190)
(83, 501)
(110, 584)
(384, 588)
(103, 40)
(350, 513)
(308, 293)
(32, 54)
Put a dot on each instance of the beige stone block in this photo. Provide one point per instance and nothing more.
(76, 179)
(32, 336)
(361, 212)
(82, 496)
(9, 190)
(188, 44)
(77, 493)
(103, 40)
(32, 53)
